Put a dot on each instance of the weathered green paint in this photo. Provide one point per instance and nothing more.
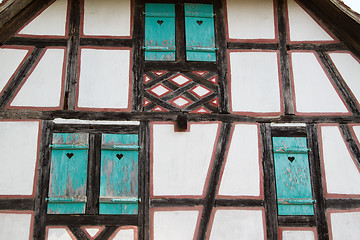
(159, 32)
(199, 32)
(119, 174)
(68, 174)
(293, 185)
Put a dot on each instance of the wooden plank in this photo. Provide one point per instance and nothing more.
(20, 204)
(106, 42)
(175, 202)
(19, 77)
(340, 84)
(72, 55)
(209, 201)
(343, 204)
(37, 42)
(169, 116)
(92, 220)
(180, 28)
(180, 66)
(144, 181)
(316, 182)
(42, 181)
(138, 56)
(296, 221)
(91, 207)
(269, 182)
(318, 47)
(239, 203)
(255, 46)
(284, 58)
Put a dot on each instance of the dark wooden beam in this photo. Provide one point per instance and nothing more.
(209, 201)
(287, 94)
(91, 220)
(316, 182)
(296, 221)
(175, 202)
(72, 54)
(19, 204)
(144, 181)
(43, 181)
(37, 42)
(16, 14)
(351, 142)
(269, 182)
(169, 116)
(342, 203)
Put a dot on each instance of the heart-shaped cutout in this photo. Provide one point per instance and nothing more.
(291, 159)
(160, 22)
(69, 155)
(119, 156)
(199, 22)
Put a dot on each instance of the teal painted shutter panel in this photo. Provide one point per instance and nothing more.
(199, 32)
(119, 174)
(68, 173)
(293, 183)
(159, 32)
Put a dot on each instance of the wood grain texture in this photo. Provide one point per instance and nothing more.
(284, 58)
(42, 181)
(316, 182)
(209, 201)
(73, 45)
(269, 182)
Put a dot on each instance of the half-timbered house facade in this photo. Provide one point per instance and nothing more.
(179, 119)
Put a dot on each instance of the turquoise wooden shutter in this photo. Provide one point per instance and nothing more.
(119, 174)
(293, 185)
(199, 32)
(159, 32)
(68, 173)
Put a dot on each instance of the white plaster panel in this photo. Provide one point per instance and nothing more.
(303, 27)
(58, 234)
(15, 226)
(92, 231)
(298, 235)
(175, 225)
(255, 82)
(342, 175)
(345, 225)
(313, 90)
(104, 78)
(10, 60)
(124, 234)
(357, 132)
(52, 21)
(251, 19)
(181, 159)
(237, 224)
(43, 87)
(107, 17)
(242, 163)
(18, 147)
(349, 69)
